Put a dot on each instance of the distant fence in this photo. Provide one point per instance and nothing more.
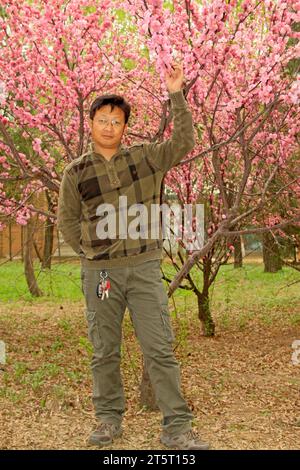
(12, 243)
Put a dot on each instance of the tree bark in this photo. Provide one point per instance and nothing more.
(204, 314)
(238, 255)
(271, 254)
(48, 244)
(49, 235)
(28, 260)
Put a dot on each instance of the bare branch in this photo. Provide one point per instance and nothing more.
(234, 137)
(262, 229)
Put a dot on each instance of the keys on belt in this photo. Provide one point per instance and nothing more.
(103, 286)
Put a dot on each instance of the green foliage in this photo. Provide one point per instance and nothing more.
(120, 14)
(199, 129)
(145, 52)
(169, 5)
(86, 345)
(89, 10)
(57, 345)
(294, 64)
(129, 64)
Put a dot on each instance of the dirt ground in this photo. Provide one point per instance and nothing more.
(241, 384)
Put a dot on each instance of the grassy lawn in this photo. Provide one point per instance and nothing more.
(241, 384)
(244, 287)
(61, 282)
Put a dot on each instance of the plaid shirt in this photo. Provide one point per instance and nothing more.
(136, 172)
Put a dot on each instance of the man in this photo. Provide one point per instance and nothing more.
(120, 270)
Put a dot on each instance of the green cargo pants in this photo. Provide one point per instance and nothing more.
(141, 290)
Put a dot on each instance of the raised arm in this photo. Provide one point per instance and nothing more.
(167, 154)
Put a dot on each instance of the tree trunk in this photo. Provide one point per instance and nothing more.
(238, 255)
(204, 314)
(147, 397)
(49, 234)
(28, 260)
(48, 244)
(37, 250)
(271, 254)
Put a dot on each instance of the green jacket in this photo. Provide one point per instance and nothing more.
(135, 172)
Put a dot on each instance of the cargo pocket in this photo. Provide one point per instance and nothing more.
(93, 329)
(167, 327)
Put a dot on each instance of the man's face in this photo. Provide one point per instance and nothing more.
(108, 126)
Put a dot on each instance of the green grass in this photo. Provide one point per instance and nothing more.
(62, 282)
(247, 288)
(49, 354)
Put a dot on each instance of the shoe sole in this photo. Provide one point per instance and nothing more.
(97, 443)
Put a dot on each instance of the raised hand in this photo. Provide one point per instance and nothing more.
(174, 79)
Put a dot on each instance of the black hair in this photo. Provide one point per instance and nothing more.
(113, 100)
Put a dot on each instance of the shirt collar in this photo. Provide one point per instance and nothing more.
(121, 150)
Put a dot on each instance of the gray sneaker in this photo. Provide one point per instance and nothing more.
(188, 440)
(104, 434)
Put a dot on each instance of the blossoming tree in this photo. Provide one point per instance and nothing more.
(56, 56)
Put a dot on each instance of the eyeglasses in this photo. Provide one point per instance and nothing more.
(103, 122)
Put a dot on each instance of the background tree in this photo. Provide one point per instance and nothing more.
(57, 56)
